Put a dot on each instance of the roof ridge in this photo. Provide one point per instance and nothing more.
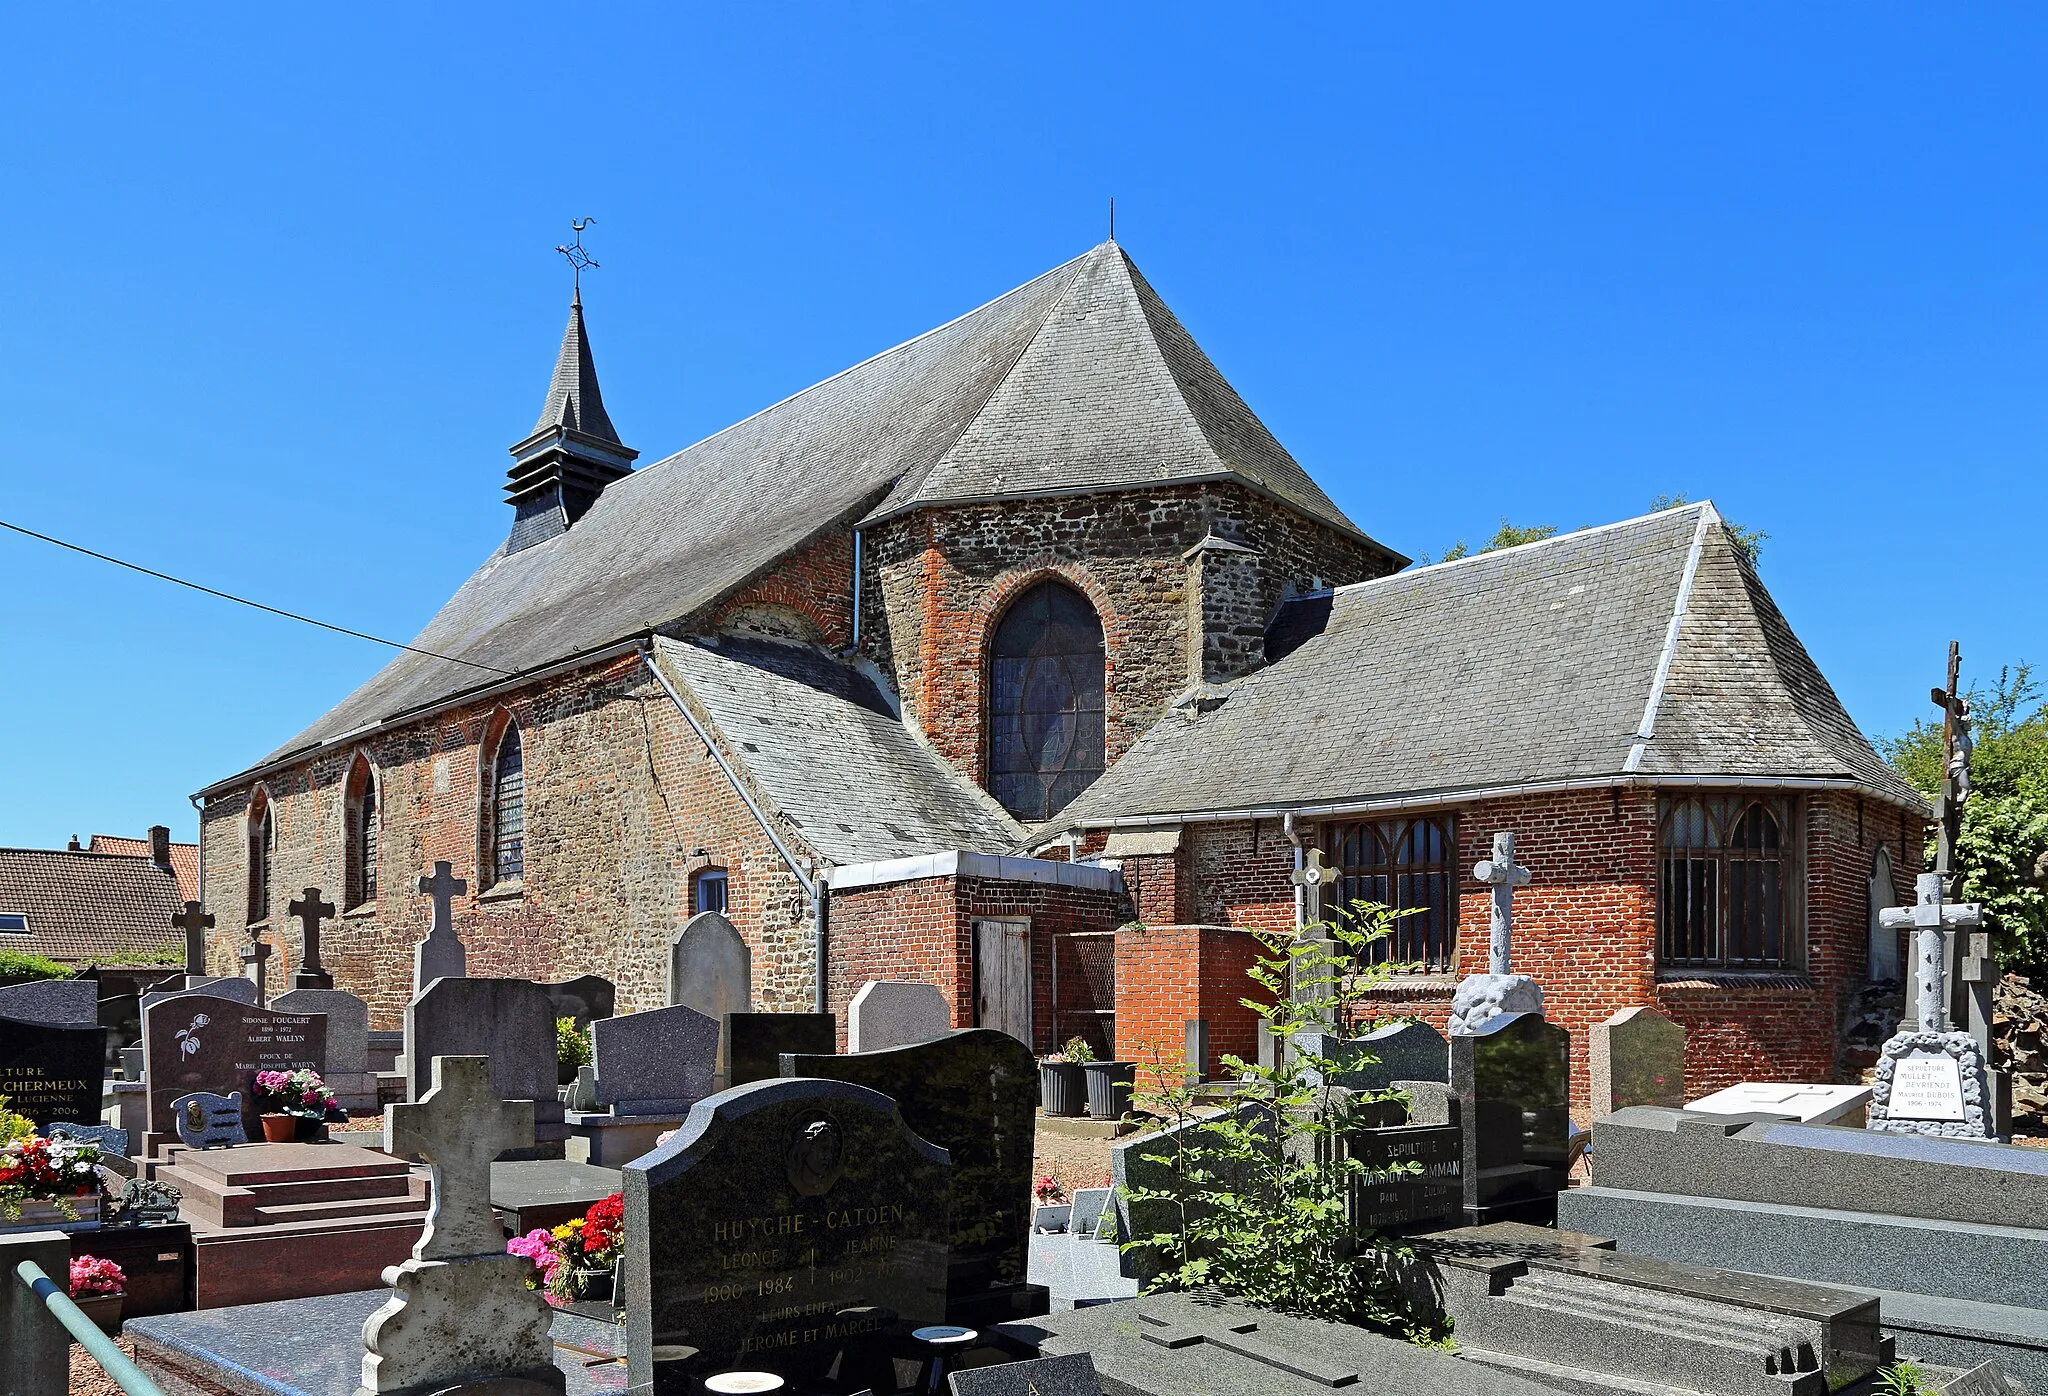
(872, 358)
(1646, 730)
(1407, 572)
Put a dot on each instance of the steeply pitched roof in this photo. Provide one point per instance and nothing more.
(184, 859)
(1527, 666)
(573, 399)
(88, 906)
(1110, 390)
(816, 738)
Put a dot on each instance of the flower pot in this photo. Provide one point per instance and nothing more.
(1062, 1089)
(1109, 1088)
(41, 1214)
(592, 1284)
(306, 1130)
(103, 1309)
(279, 1129)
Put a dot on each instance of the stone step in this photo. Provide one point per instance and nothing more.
(248, 1165)
(207, 1198)
(270, 1214)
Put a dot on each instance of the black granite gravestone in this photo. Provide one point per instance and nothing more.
(1072, 1375)
(786, 1224)
(53, 1071)
(1511, 1078)
(974, 1093)
(1385, 1199)
(753, 1043)
(584, 998)
(196, 1042)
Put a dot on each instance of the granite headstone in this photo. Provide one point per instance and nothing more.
(208, 1121)
(198, 1042)
(974, 1093)
(53, 1071)
(655, 1063)
(888, 1013)
(511, 1021)
(347, 1066)
(753, 1043)
(1636, 1057)
(710, 967)
(232, 986)
(788, 1225)
(586, 998)
(1375, 1061)
(51, 1001)
(113, 1142)
(1072, 1375)
(1511, 1077)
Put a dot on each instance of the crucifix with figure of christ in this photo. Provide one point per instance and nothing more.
(311, 911)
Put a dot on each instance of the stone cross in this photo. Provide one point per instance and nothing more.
(458, 1128)
(1504, 875)
(440, 955)
(252, 960)
(1314, 877)
(1929, 916)
(195, 921)
(310, 910)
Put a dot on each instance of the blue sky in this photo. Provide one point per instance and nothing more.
(279, 294)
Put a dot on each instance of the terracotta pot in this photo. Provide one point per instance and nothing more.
(103, 1309)
(279, 1129)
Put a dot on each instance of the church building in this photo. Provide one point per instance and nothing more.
(1022, 659)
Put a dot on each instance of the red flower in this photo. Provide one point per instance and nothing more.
(603, 1223)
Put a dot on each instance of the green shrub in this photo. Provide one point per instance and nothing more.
(18, 968)
(572, 1044)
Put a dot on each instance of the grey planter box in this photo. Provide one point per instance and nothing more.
(1062, 1089)
(1109, 1088)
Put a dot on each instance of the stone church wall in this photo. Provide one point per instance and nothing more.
(619, 795)
(940, 580)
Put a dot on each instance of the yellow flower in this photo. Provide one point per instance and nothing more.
(562, 1232)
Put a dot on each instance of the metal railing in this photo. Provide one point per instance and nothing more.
(86, 1333)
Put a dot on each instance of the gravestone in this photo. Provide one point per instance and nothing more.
(1637, 1057)
(1511, 1077)
(974, 1093)
(1931, 1080)
(347, 1069)
(654, 1063)
(461, 1311)
(1072, 1375)
(195, 921)
(752, 1044)
(887, 1014)
(1387, 1197)
(586, 998)
(208, 1121)
(51, 1001)
(1794, 1100)
(788, 1226)
(113, 1142)
(581, 1093)
(310, 911)
(440, 955)
(1480, 997)
(710, 967)
(255, 961)
(197, 1042)
(1397, 1052)
(510, 1021)
(53, 1071)
(227, 986)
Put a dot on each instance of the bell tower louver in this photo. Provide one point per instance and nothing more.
(573, 452)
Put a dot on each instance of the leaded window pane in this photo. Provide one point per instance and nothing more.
(1404, 864)
(1728, 885)
(509, 808)
(1047, 700)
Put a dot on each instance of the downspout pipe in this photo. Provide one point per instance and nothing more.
(1300, 857)
(201, 812)
(814, 887)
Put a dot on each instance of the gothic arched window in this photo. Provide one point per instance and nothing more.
(1728, 882)
(262, 839)
(364, 819)
(1409, 865)
(508, 808)
(1046, 691)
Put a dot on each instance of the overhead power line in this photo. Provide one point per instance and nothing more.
(245, 601)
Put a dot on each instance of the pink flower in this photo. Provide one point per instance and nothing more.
(91, 1275)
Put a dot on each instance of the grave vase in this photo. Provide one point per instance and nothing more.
(1109, 1088)
(1062, 1088)
(307, 1130)
(279, 1129)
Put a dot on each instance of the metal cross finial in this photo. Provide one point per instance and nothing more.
(578, 258)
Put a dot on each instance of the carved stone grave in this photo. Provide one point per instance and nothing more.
(196, 1042)
(53, 1071)
(1636, 1057)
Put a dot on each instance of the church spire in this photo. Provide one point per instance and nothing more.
(574, 451)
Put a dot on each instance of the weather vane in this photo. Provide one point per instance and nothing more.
(578, 258)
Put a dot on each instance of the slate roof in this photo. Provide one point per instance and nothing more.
(818, 740)
(88, 906)
(184, 858)
(1102, 373)
(1526, 666)
(573, 398)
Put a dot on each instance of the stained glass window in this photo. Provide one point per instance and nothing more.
(1046, 700)
(508, 807)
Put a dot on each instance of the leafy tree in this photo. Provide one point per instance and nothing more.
(19, 968)
(1748, 541)
(2002, 855)
(1506, 536)
(1259, 1195)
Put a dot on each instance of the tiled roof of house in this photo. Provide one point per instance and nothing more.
(88, 906)
(1527, 666)
(184, 859)
(1079, 380)
(819, 742)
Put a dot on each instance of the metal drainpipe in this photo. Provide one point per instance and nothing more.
(202, 847)
(1300, 897)
(819, 922)
(854, 648)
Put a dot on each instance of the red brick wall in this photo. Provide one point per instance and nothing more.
(815, 582)
(1166, 975)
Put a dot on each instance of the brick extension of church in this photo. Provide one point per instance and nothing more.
(1022, 659)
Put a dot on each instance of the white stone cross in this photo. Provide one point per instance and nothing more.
(440, 955)
(458, 1127)
(195, 921)
(1930, 916)
(1314, 877)
(1504, 875)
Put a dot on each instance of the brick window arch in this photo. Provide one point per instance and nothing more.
(708, 890)
(1728, 884)
(363, 827)
(505, 806)
(1047, 692)
(262, 832)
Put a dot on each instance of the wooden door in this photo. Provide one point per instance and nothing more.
(1002, 976)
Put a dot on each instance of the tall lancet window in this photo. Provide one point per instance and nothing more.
(1046, 702)
(508, 808)
(364, 819)
(262, 839)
